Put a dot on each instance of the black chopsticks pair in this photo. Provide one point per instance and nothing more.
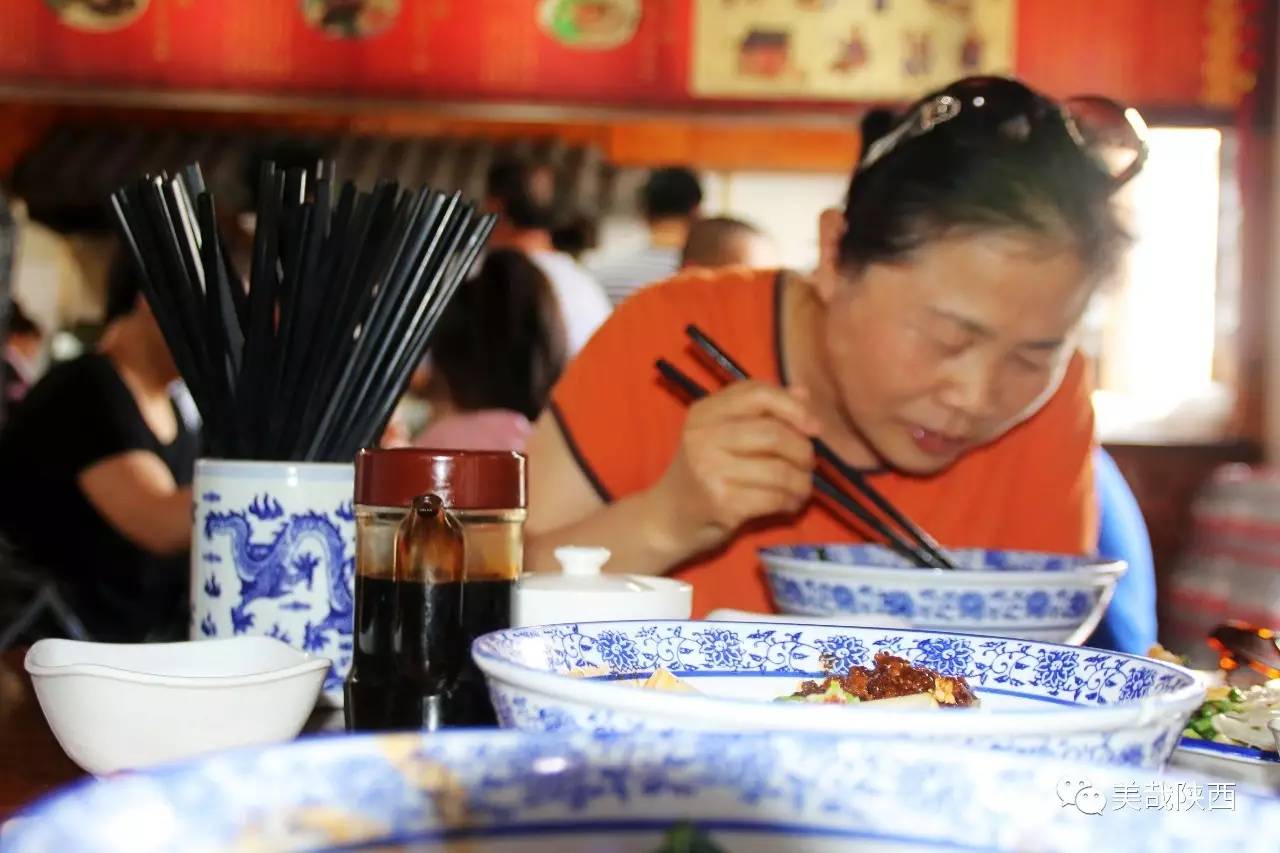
(923, 551)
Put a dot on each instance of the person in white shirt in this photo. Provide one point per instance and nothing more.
(522, 193)
(671, 200)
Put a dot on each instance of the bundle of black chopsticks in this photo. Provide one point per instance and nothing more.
(898, 532)
(345, 289)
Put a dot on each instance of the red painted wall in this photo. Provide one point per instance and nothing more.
(1150, 52)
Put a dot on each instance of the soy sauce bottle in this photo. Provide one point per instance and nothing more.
(420, 600)
(428, 640)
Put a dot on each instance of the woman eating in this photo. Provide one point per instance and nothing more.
(934, 349)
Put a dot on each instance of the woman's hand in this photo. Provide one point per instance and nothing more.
(745, 453)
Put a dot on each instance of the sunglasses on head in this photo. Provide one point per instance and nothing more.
(1113, 135)
(1240, 644)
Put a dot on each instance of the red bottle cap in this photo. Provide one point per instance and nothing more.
(464, 479)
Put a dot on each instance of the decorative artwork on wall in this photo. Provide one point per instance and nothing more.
(651, 54)
(97, 15)
(590, 24)
(351, 19)
(862, 50)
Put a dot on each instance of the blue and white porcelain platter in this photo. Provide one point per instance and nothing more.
(1073, 703)
(1023, 594)
(1244, 764)
(480, 791)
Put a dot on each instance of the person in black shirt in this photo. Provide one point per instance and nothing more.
(95, 474)
(23, 347)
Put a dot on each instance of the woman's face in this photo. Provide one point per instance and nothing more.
(950, 349)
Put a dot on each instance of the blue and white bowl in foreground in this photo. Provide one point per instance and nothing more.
(1074, 703)
(1024, 594)
(512, 791)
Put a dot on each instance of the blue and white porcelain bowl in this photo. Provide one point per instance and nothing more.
(1028, 595)
(1074, 703)
(510, 791)
(1244, 764)
(273, 555)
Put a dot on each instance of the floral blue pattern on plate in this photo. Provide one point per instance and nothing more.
(1084, 704)
(1023, 594)
(517, 791)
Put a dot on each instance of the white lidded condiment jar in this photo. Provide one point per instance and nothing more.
(581, 592)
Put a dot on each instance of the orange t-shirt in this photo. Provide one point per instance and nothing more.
(1030, 489)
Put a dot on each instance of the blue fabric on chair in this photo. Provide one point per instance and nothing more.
(1129, 624)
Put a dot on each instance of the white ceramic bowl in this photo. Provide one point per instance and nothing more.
(118, 707)
(503, 792)
(1083, 704)
(1023, 594)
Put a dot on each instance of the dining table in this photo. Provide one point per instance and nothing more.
(32, 764)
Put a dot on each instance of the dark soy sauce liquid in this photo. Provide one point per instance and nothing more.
(372, 699)
(414, 641)
(435, 650)
(427, 649)
(486, 606)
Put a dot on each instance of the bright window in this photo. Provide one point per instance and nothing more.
(1159, 330)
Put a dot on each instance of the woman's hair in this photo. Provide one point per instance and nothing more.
(968, 174)
(524, 190)
(501, 342)
(674, 191)
(122, 286)
(20, 323)
(579, 235)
